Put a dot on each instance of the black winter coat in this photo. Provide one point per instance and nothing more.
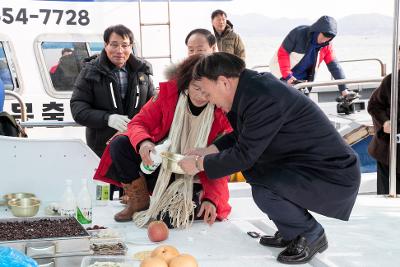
(280, 135)
(379, 109)
(92, 102)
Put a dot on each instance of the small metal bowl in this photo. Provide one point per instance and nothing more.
(171, 162)
(19, 195)
(25, 207)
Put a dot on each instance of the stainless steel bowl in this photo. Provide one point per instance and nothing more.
(18, 195)
(24, 207)
(171, 162)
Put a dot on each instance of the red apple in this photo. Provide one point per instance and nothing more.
(157, 231)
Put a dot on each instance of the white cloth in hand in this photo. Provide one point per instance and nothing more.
(118, 122)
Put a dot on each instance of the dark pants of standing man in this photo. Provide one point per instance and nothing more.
(290, 219)
(382, 181)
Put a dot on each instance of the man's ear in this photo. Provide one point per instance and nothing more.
(225, 81)
(215, 48)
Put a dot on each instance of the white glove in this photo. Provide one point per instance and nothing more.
(118, 122)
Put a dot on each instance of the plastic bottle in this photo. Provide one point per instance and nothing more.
(68, 202)
(84, 207)
(155, 157)
(102, 193)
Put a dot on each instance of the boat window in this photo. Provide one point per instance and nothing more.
(5, 70)
(95, 48)
(60, 58)
(63, 62)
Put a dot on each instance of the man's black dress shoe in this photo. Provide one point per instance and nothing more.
(275, 241)
(299, 252)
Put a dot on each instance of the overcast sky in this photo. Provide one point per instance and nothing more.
(307, 8)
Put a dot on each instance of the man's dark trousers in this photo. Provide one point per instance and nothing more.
(290, 219)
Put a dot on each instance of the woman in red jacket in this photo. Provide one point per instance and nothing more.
(151, 126)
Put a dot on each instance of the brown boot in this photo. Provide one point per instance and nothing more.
(124, 199)
(138, 199)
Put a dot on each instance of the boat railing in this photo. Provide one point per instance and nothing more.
(49, 124)
(337, 82)
(20, 101)
(323, 86)
(380, 62)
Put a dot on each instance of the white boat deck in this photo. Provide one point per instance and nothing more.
(370, 238)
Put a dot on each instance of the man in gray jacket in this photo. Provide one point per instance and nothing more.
(227, 40)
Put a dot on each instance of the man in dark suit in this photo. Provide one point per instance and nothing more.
(287, 149)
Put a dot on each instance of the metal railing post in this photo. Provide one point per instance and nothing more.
(20, 101)
(394, 104)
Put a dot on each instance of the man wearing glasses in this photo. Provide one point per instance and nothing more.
(111, 88)
(303, 50)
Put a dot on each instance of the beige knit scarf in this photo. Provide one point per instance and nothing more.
(176, 199)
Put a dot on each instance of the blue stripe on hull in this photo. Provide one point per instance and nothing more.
(368, 164)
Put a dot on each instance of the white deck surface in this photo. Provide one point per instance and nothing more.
(370, 238)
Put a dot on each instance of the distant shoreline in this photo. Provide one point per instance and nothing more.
(357, 24)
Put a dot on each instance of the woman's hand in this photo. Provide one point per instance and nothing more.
(209, 210)
(188, 164)
(144, 151)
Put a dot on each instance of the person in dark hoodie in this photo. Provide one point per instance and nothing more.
(111, 89)
(303, 50)
(227, 40)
